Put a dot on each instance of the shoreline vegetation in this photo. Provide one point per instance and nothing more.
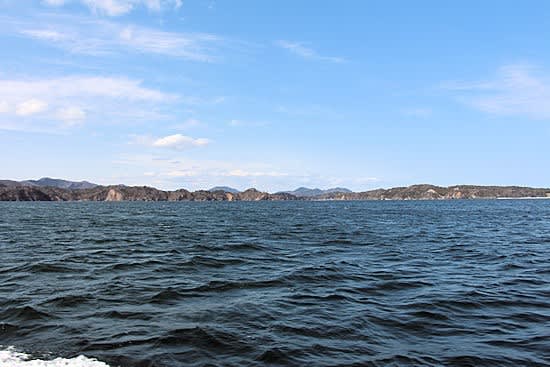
(60, 190)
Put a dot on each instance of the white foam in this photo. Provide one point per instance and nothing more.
(11, 358)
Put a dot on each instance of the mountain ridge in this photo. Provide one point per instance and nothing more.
(307, 192)
(51, 182)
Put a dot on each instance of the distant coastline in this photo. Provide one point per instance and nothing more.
(47, 189)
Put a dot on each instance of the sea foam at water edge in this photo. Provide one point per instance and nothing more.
(11, 358)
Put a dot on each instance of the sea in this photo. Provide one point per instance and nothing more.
(334, 283)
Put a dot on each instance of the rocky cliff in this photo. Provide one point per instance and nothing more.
(127, 193)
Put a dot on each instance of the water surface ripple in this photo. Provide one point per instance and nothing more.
(453, 283)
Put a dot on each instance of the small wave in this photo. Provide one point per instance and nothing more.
(68, 301)
(11, 358)
(274, 356)
(7, 328)
(49, 268)
(26, 313)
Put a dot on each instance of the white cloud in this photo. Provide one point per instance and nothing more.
(299, 49)
(178, 141)
(111, 8)
(71, 115)
(47, 104)
(54, 2)
(30, 107)
(115, 8)
(516, 90)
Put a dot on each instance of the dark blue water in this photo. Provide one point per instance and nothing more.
(453, 283)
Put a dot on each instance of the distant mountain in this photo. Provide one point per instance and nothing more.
(224, 188)
(60, 184)
(307, 192)
(11, 183)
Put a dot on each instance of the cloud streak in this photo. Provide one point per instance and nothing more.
(97, 37)
(179, 142)
(174, 142)
(79, 86)
(114, 8)
(244, 173)
(516, 90)
(304, 52)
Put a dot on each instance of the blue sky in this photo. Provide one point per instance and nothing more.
(276, 95)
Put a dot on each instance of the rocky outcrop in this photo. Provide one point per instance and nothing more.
(26, 193)
(180, 195)
(431, 192)
(114, 195)
(255, 195)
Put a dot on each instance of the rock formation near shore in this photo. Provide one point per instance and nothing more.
(14, 191)
(128, 193)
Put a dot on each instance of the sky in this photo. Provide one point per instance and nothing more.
(276, 94)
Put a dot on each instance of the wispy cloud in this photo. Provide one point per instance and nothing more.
(179, 141)
(4, 107)
(515, 90)
(97, 37)
(244, 173)
(30, 107)
(170, 172)
(115, 8)
(54, 2)
(45, 34)
(175, 141)
(71, 115)
(299, 49)
(193, 46)
(78, 86)
(69, 100)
